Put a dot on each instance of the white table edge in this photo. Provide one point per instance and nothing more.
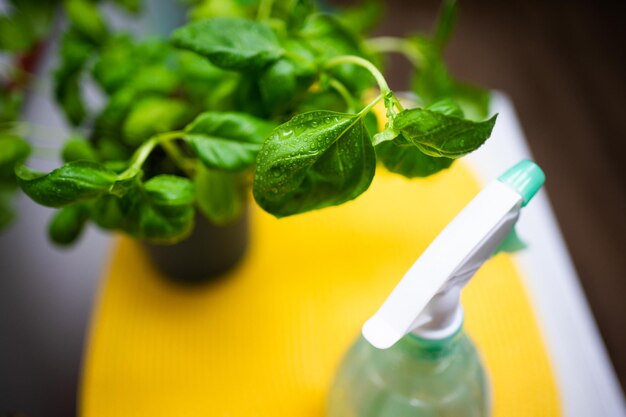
(585, 377)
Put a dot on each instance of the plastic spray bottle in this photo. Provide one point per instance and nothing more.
(413, 359)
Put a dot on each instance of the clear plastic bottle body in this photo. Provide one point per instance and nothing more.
(414, 378)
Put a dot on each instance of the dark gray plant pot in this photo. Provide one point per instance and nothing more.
(207, 254)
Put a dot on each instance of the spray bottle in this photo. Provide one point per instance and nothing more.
(413, 359)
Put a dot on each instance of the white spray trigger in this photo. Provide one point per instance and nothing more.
(427, 299)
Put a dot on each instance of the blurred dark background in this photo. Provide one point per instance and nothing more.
(562, 63)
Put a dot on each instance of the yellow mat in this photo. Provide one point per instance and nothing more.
(266, 340)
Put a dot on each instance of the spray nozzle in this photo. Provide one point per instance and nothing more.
(427, 299)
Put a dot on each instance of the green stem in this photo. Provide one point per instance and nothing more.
(397, 103)
(364, 63)
(344, 93)
(265, 10)
(385, 44)
(142, 153)
(370, 106)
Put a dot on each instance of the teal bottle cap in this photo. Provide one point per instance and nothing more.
(526, 178)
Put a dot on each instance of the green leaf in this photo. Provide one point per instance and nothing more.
(362, 17)
(106, 212)
(133, 6)
(221, 196)
(247, 98)
(71, 183)
(438, 135)
(154, 79)
(116, 63)
(7, 214)
(86, 18)
(24, 23)
(69, 97)
(315, 160)
(222, 96)
(192, 65)
(13, 150)
(113, 153)
(67, 224)
(446, 107)
(15, 33)
(445, 23)
(10, 105)
(230, 43)
(161, 211)
(170, 191)
(212, 88)
(404, 158)
(76, 149)
(371, 123)
(110, 121)
(206, 9)
(75, 52)
(154, 115)
(227, 141)
(292, 12)
(432, 82)
(145, 67)
(326, 35)
(285, 82)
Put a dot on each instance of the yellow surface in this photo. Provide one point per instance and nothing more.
(266, 340)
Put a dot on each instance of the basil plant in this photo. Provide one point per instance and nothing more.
(277, 96)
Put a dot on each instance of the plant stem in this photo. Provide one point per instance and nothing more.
(265, 9)
(364, 63)
(370, 106)
(142, 153)
(385, 44)
(397, 103)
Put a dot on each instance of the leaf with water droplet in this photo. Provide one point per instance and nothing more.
(71, 183)
(326, 159)
(442, 135)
